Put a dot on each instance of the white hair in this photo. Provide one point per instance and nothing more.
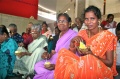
(36, 27)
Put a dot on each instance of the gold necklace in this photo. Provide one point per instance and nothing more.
(89, 34)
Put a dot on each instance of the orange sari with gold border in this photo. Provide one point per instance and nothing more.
(71, 66)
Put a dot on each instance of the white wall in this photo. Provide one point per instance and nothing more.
(112, 6)
(64, 5)
(81, 8)
(98, 3)
(21, 22)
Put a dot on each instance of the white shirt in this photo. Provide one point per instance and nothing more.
(112, 30)
(82, 28)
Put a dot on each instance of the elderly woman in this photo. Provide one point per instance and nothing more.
(66, 34)
(7, 57)
(25, 63)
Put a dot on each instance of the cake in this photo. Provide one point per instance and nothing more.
(83, 47)
(47, 64)
(17, 53)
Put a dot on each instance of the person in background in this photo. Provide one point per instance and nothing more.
(109, 23)
(66, 34)
(55, 25)
(97, 48)
(45, 31)
(70, 23)
(27, 36)
(26, 61)
(117, 32)
(56, 37)
(73, 26)
(30, 24)
(7, 53)
(53, 40)
(14, 35)
(78, 23)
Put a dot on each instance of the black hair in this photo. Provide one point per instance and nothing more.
(3, 30)
(70, 19)
(64, 14)
(30, 23)
(57, 29)
(94, 9)
(13, 25)
(109, 15)
(23, 33)
(79, 19)
(44, 22)
(118, 27)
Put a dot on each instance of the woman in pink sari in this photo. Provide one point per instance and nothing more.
(43, 72)
(98, 60)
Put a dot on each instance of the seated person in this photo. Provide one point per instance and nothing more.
(26, 61)
(109, 23)
(79, 24)
(97, 46)
(53, 40)
(118, 44)
(14, 35)
(45, 30)
(27, 37)
(8, 46)
(66, 34)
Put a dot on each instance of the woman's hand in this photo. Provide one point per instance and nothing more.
(76, 40)
(50, 67)
(46, 55)
(75, 43)
(21, 44)
(52, 52)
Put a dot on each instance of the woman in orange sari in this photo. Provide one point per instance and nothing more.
(98, 62)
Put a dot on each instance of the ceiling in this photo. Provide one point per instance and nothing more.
(54, 5)
(49, 4)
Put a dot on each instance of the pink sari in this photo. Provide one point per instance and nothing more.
(63, 42)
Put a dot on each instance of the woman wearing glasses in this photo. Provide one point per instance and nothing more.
(47, 72)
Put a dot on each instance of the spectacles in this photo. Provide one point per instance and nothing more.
(62, 21)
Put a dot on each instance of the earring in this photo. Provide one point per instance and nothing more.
(99, 23)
